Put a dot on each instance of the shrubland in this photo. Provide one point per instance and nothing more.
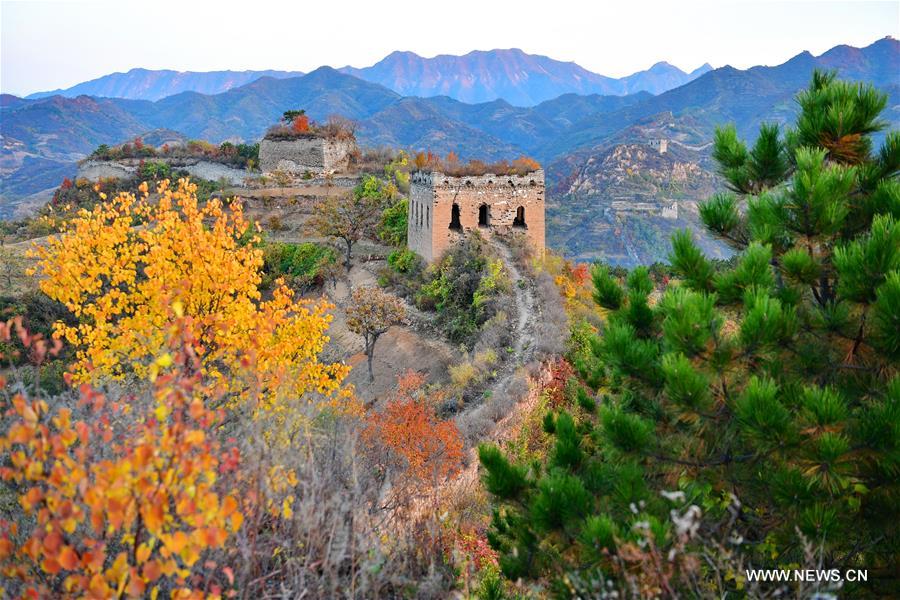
(453, 166)
(296, 123)
(203, 448)
(466, 288)
(302, 266)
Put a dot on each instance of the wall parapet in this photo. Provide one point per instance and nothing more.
(93, 170)
(437, 178)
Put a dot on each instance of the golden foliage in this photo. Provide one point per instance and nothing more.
(130, 266)
(120, 504)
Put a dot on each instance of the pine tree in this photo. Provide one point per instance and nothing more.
(772, 378)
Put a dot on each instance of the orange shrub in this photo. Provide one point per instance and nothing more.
(561, 372)
(300, 124)
(430, 447)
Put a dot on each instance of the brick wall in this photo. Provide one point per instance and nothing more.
(432, 196)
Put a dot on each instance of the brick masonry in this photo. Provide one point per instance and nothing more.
(433, 195)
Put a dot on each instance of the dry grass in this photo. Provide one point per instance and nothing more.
(14, 264)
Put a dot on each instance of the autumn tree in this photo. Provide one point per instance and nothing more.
(352, 217)
(300, 124)
(114, 498)
(129, 267)
(426, 160)
(431, 448)
(370, 314)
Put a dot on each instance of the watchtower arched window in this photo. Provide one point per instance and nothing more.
(519, 221)
(454, 217)
(484, 216)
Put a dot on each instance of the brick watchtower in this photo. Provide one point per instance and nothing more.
(443, 208)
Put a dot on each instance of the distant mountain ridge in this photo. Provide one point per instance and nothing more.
(147, 84)
(512, 75)
(746, 97)
(481, 76)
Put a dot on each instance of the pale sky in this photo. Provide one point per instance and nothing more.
(48, 45)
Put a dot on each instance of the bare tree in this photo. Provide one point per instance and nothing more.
(371, 313)
(347, 218)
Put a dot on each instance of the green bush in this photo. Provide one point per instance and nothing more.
(152, 170)
(404, 261)
(466, 288)
(304, 265)
(393, 223)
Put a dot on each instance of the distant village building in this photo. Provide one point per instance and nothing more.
(660, 145)
(305, 153)
(444, 208)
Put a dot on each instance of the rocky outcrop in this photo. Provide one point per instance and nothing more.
(622, 203)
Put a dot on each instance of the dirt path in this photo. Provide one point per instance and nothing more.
(526, 317)
(464, 488)
(523, 350)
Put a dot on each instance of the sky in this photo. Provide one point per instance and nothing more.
(50, 45)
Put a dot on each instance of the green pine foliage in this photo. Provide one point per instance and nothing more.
(772, 379)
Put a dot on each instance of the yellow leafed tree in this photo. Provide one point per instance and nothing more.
(129, 266)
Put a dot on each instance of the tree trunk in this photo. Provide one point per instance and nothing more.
(369, 353)
(349, 250)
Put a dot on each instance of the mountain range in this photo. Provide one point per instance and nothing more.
(581, 138)
(147, 84)
(480, 76)
(512, 75)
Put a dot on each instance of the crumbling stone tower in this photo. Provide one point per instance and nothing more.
(660, 145)
(444, 208)
(305, 153)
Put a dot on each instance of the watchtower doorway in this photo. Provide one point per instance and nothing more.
(484, 216)
(519, 221)
(454, 217)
